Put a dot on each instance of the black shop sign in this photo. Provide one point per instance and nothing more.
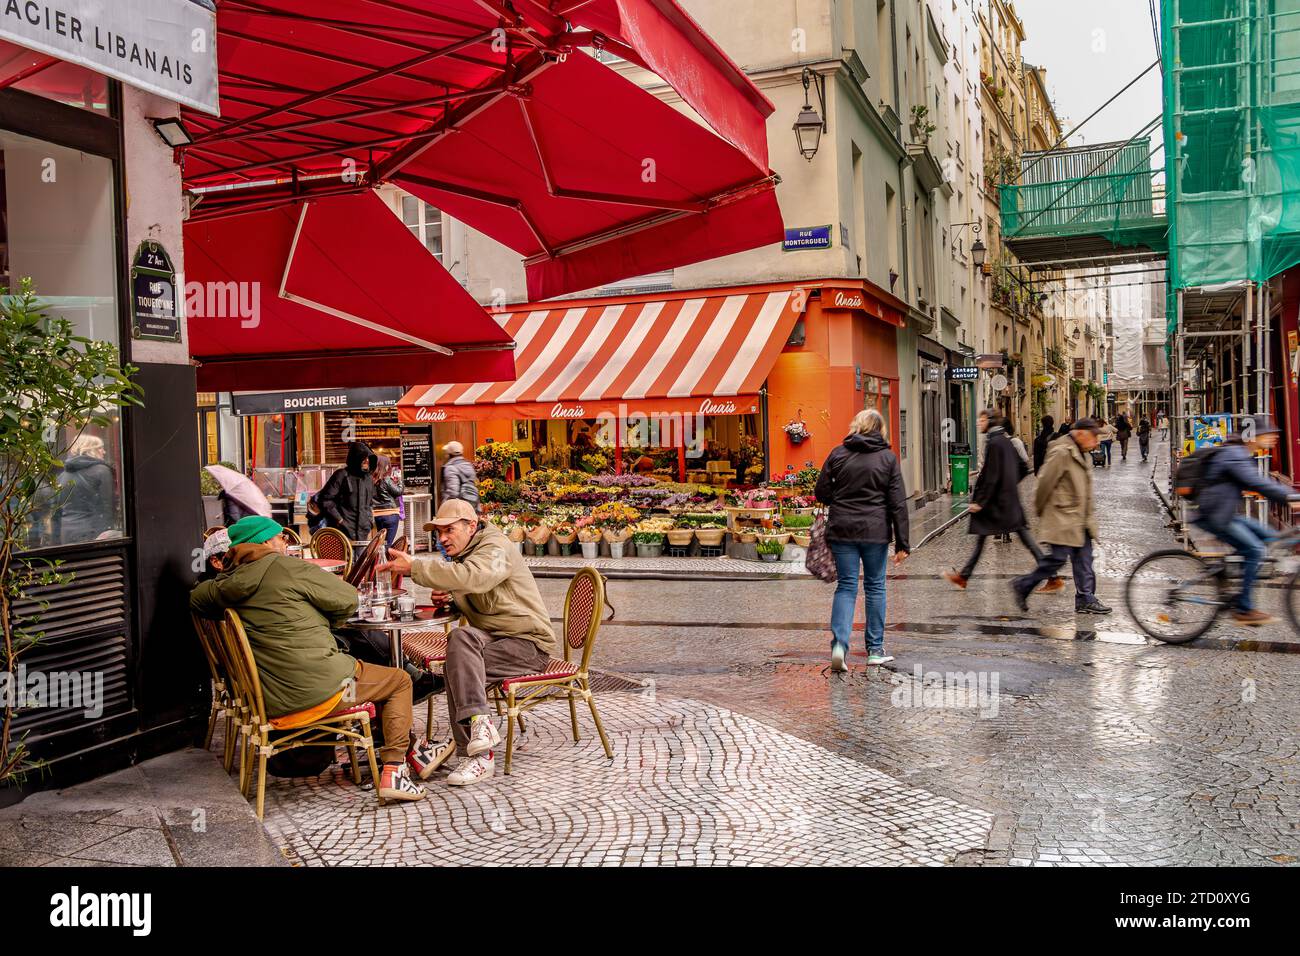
(417, 457)
(154, 312)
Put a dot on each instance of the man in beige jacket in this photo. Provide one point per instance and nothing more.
(509, 630)
(1063, 499)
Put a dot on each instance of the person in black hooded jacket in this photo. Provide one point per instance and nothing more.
(1042, 441)
(348, 497)
(863, 484)
(86, 492)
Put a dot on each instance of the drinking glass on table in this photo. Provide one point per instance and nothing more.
(365, 598)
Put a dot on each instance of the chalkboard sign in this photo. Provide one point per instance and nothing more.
(417, 457)
(153, 294)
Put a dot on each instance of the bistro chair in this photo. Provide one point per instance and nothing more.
(399, 544)
(271, 736)
(209, 532)
(224, 703)
(584, 605)
(291, 537)
(364, 569)
(333, 544)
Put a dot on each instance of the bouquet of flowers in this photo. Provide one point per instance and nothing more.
(494, 459)
(758, 498)
(628, 480)
(595, 462)
(807, 477)
(588, 531)
(614, 519)
(797, 430)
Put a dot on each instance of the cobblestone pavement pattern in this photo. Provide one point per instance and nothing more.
(1098, 747)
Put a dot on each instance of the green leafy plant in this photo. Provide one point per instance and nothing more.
(54, 384)
(770, 546)
(209, 485)
(648, 537)
(796, 522)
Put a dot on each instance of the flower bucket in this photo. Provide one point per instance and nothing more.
(649, 550)
(590, 550)
(615, 548)
(617, 537)
(769, 557)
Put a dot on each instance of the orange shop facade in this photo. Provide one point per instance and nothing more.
(696, 385)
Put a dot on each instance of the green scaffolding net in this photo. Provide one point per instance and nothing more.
(1232, 137)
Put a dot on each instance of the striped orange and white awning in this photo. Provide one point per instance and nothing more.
(706, 354)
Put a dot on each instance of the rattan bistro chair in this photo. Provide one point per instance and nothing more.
(364, 569)
(349, 727)
(291, 537)
(584, 605)
(209, 532)
(333, 544)
(225, 704)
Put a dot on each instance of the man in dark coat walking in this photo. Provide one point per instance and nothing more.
(995, 503)
(1042, 441)
(348, 497)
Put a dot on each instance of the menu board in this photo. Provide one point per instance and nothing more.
(417, 457)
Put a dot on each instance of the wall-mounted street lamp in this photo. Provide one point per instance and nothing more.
(172, 132)
(978, 252)
(808, 128)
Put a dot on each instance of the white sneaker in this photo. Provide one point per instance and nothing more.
(472, 770)
(483, 735)
(837, 659)
(875, 660)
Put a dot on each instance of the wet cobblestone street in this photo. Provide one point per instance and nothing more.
(1086, 744)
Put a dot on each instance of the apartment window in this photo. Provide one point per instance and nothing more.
(891, 217)
(859, 208)
(885, 46)
(425, 222)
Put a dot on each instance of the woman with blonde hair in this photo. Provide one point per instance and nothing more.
(863, 485)
(87, 492)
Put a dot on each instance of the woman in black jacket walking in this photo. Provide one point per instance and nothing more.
(1144, 437)
(1123, 432)
(863, 484)
(995, 507)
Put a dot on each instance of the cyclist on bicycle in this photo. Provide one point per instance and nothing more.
(1230, 471)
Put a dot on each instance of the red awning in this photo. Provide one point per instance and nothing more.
(646, 356)
(338, 292)
(495, 113)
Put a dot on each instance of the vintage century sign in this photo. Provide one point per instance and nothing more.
(168, 47)
(316, 400)
(154, 314)
(964, 373)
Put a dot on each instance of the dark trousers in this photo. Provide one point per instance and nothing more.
(389, 525)
(1085, 582)
(1123, 447)
(475, 658)
(1144, 443)
(1022, 533)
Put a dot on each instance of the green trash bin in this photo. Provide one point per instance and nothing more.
(960, 467)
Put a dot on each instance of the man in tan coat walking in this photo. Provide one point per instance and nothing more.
(509, 631)
(1063, 499)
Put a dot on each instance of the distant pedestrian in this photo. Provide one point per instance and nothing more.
(1123, 432)
(1009, 427)
(387, 507)
(1144, 437)
(1064, 429)
(995, 502)
(863, 484)
(1106, 437)
(459, 480)
(1042, 441)
(1162, 422)
(1063, 500)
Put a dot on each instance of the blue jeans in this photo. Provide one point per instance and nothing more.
(1105, 446)
(389, 524)
(850, 556)
(1249, 539)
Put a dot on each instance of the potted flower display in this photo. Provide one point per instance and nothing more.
(564, 533)
(680, 535)
(800, 528)
(649, 544)
(709, 529)
(797, 431)
(588, 537)
(615, 521)
(769, 549)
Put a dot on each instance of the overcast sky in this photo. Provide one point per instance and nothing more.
(1091, 49)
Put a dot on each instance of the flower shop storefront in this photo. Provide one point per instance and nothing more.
(655, 421)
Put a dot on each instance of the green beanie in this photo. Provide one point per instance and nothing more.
(253, 530)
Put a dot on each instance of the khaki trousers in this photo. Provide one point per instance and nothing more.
(389, 689)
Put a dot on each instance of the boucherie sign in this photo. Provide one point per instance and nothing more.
(168, 47)
(585, 411)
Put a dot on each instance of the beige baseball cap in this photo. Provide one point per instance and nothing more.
(454, 448)
(450, 512)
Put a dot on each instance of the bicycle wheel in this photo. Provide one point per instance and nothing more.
(1174, 596)
(1292, 598)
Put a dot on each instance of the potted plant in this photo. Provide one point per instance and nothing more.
(769, 549)
(649, 544)
(680, 535)
(588, 537)
(797, 431)
(800, 528)
(564, 533)
(709, 529)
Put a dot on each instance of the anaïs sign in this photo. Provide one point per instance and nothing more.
(848, 300)
(677, 408)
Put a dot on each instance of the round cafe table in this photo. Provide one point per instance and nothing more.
(332, 565)
(394, 627)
